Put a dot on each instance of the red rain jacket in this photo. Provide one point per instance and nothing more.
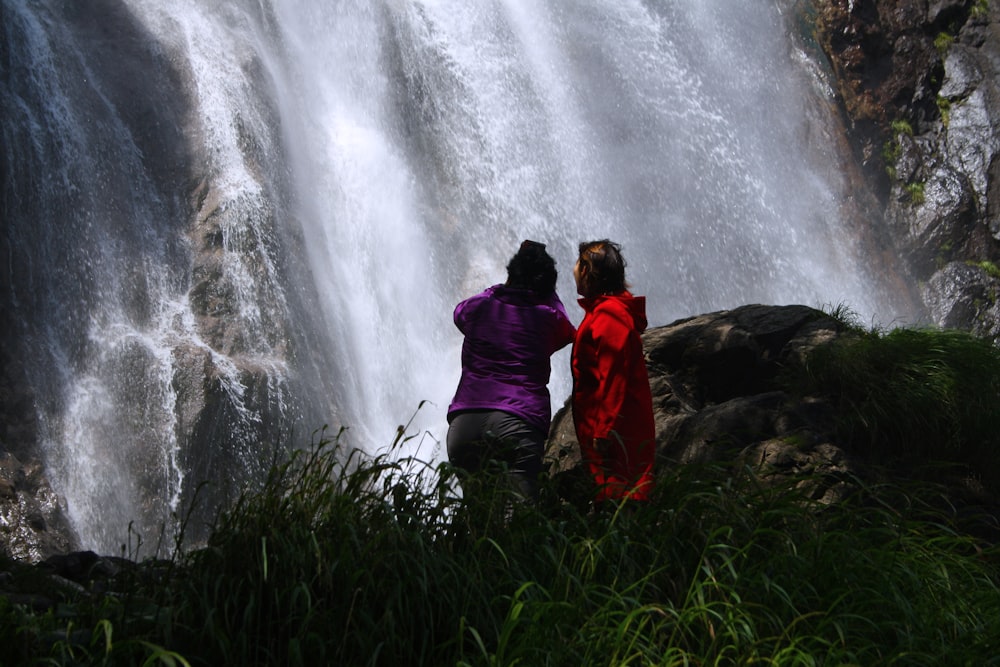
(612, 402)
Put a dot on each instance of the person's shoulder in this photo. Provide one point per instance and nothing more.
(623, 301)
(487, 293)
(470, 307)
(552, 302)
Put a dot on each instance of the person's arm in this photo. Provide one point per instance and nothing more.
(564, 331)
(465, 312)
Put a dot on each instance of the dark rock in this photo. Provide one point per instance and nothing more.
(75, 566)
(33, 525)
(937, 220)
(715, 357)
(964, 295)
(942, 12)
(715, 396)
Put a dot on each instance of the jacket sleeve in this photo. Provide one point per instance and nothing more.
(465, 312)
(564, 331)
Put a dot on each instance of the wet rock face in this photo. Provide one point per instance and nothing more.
(918, 82)
(32, 523)
(884, 57)
(966, 296)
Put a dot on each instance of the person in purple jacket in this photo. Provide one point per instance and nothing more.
(501, 410)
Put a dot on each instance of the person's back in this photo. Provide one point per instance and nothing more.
(612, 401)
(510, 335)
(501, 409)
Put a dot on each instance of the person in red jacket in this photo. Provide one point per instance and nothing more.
(612, 402)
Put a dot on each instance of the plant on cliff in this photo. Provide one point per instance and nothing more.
(902, 126)
(989, 267)
(892, 149)
(916, 192)
(943, 42)
(944, 108)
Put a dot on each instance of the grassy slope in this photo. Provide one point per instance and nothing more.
(377, 563)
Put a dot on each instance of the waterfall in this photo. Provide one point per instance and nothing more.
(230, 223)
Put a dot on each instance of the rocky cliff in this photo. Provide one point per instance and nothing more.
(918, 86)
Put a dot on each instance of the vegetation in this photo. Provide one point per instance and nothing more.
(348, 560)
(892, 149)
(944, 108)
(989, 267)
(913, 395)
(902, 126)
(916, 192)
(715, 571)
(943, 42)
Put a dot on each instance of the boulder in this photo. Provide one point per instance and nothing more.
(715, 398)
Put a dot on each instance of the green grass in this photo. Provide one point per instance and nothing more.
(913, 395)
(343, 559)
(375, 562)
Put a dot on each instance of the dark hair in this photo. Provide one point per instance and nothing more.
(532, 268)
(605, 267)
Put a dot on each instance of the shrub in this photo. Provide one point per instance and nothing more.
(918, 395)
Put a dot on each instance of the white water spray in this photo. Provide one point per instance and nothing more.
(361, 166)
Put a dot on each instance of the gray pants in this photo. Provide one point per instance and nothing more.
(478, 437)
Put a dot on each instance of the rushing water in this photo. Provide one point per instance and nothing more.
(228, 223)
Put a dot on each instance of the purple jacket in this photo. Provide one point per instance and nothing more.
(509, 336)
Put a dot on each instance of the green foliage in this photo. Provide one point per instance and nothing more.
(916, 192)
(350, 560)
(943, 42)
(893, 148)
(980, 9)
(901, 126)
(944, 108)
(843, 313)
(924, 395)
(989, 267)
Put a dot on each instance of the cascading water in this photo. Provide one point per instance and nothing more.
(230, 223)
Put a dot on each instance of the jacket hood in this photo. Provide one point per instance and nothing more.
(635, 306)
